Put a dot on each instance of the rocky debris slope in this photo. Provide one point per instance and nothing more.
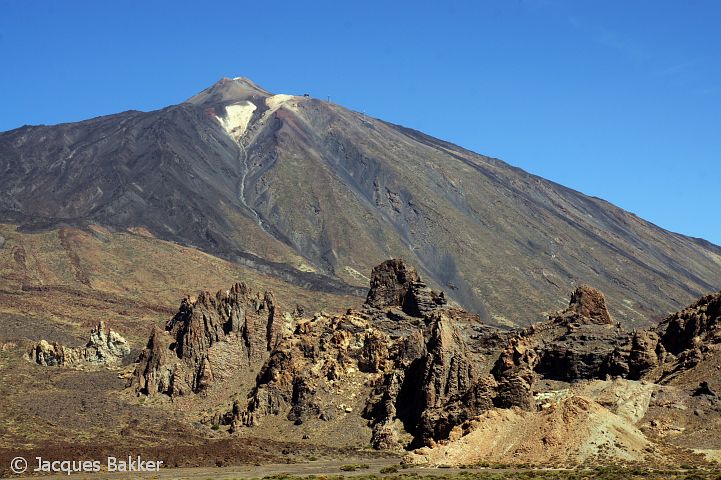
(573, 430)
(105, 347)
(211, 337)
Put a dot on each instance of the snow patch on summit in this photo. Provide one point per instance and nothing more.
(237, 117)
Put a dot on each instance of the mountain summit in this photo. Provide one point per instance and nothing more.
(317, 194)
(229, 90)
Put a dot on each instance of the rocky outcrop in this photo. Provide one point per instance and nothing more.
(514, 372)
(435, 385)
(646, 356)
(390, 284)
(587, 306)
(589, 352)
(697, 324)
(105, 347)
(580, 342)
(181, 359)
(53, 354)
(421, 382)
(679, 343)
(397, 284)
(414, 368)
(322, 356)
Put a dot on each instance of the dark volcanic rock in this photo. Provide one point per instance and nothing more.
(435, 386)
(390, 284)
(679, 343)
(647, 354)
(697, 323)
(178, 361)
(580, 342)
(514, 372)
(397, 284)
(585, 353)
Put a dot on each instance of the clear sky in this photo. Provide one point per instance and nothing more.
(618, 99)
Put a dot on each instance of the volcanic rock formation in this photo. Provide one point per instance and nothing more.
(679, 343)
(423, 382)
(210, 336)
(105, 347)
(423, 373)
(396, 284)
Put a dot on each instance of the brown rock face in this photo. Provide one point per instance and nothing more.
(390, 284)
(700, 321)
(320, 355)
(435, 386)
(410, 366)
(587, 305)
(580, 342)
(424, 379)
(514, 372)
(414, 369)
(646, 354)
(180, 360)
(447, 373)
(679, 343)
(448, 368)
(397, 284)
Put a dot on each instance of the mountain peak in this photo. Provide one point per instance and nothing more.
(228, 90)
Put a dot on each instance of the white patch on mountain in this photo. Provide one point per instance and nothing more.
(237, 117)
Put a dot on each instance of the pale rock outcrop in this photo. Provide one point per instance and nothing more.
(105, 347)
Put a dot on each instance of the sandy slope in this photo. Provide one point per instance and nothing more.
(571, 427)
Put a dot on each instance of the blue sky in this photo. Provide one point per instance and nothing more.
(618, 99)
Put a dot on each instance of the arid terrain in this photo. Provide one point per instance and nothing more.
(250, 285)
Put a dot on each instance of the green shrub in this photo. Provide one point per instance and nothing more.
(389, 469)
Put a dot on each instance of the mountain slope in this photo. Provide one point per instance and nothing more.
(318, 194)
